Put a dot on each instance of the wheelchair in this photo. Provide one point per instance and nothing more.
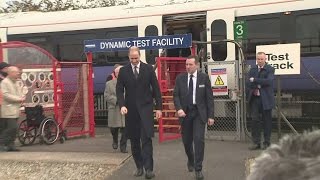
(36, 125)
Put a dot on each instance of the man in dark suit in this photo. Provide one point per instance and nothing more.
(193, 100)
(261, 100)
(138, 82)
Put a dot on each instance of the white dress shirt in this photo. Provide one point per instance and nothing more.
(194, 78)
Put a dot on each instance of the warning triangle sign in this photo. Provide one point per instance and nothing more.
(218, 81)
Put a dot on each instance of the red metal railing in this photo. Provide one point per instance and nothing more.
(168, 69)
(64, 89)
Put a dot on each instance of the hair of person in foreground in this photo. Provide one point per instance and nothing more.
(296, 157)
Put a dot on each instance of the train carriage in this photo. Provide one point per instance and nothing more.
(268, 22)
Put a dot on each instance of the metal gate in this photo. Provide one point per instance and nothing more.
(64, 89)
(74, 97)
(230, 107)
(227, 107)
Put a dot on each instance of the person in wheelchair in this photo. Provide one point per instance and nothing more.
(10, 109)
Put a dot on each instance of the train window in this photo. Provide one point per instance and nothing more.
(308, 32)
(219, 32)
(121, 34)
(71, 46)
(151, 54)
(42, 41)
(261, 30)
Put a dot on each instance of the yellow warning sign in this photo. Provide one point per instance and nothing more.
(219, 81)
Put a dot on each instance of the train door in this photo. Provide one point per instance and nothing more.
(150, 26)
(223, 69)
(193, 23)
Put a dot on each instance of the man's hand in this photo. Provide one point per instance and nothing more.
(123, 110)
(181, 113)
(251, 79)
(158, 114)
(210, 122)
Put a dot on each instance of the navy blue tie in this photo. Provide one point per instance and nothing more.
(190, 91)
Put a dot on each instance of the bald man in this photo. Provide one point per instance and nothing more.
(12, 99)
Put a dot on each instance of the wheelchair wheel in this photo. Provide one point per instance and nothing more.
(26, 134)
(49, 131)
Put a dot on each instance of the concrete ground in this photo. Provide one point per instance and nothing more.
(94, 158)
(224, 160)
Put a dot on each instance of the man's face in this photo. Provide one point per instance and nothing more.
(191, 66)
(134, 57)
(15, 73)
(261, 59)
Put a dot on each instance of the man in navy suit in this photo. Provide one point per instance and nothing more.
(260, 96)
(136, 88)
(193, 100)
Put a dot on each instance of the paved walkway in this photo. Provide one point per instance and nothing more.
(224, 160)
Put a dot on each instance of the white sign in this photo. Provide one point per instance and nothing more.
(285, 58)
(219, 82)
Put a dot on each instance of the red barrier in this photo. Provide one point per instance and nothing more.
(64, 89)
(74, 96)
(168, 69)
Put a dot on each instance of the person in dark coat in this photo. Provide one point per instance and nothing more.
(193, 100)
(260, 96)
(138, 82)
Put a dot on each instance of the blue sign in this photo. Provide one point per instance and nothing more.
(148, 42)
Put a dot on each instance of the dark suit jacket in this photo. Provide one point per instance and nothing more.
(139, 94)
(204, 96)
(265, 79)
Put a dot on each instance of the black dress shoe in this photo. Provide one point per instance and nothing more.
(190, 167)
(199, 175)
(115, 145)
(255, 147)
(139, 172)
(265, 146)
(124, 151)
(149, 174)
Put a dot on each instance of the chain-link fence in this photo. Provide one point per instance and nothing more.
(227, 105)
(74, 97)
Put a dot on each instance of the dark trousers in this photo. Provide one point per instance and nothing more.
(193, 130)
(115, 135)
(142, 151)
(9, 131)
(260, 117)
